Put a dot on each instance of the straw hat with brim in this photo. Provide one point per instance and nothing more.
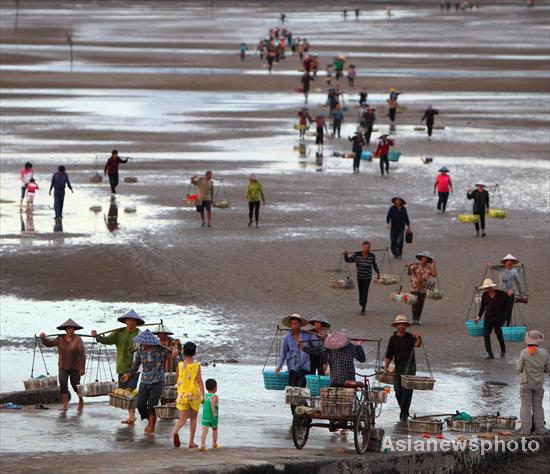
(481, 183)
(403, 202)
(382, 136)
(511, 258)
(69, 324)
(286, 321)
(443, 169)
(533, 337)
(320, 319)
(147, 338)
(337, 340)
(424, 254)
(132, 315)
(487, 283)
(401, 319)
(162, 329)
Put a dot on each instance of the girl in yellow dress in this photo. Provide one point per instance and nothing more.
(190, 393)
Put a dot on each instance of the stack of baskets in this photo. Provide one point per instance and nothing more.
(96, 389)
(337, 402)
(386, 279)
(167, 412)
(341, 283)
(468, 218)
(275, 381)
(316, 382)
(497, 213)
(406, 298)
(417, 382)
(40, 383)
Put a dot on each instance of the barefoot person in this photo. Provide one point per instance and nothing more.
(123, 339)
(151, 356)
(190, 394)
(72, 359)
(509, 281)
(60, 179)
(419, 276)
(493, 306)
(205, 187)
(533, 364)
(365, 263)
(400, 349)
(481, 205)
(111, 169)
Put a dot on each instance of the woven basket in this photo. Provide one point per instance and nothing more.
(122, 402)
(514, 333)
(167, 412)
(435, 294)
(497, 213)
(474, 330)
(170, 378)
(296, 395)
(504, 422)
(274, 381)
(96, 389)
(221, 203)
(169, 392)
(130, 179)
(466, 426)
(431, 425)
(95, 208)
(417, 382)
(377, 395)
(341, 284)
(96, 179)
(524, 299)
(385, 378)
(40, 383)
(386, 279)
(316, 382)
(468, 218)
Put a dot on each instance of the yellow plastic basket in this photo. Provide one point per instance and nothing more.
(468, 218)
(497, 213)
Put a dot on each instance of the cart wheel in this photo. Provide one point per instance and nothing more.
(300, 430)
(362, 428)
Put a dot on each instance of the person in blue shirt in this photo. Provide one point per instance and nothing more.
(60, 179)
(292, 353)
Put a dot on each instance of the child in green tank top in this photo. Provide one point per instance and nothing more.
(210, 413)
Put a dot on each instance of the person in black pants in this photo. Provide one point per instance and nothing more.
(357, 148)
(401, 350)
(481, 205)
(111, 169)
(368, 122)
(429, 115)
(493, 305)
(60, 179)
(397, 219)
(365, 262)
(317, 357)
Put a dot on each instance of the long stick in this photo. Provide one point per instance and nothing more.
(104, 332)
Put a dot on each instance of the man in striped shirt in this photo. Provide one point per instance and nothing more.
(365, 262)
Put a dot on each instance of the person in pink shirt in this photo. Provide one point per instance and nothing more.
(25, 175)
(32, 187)
(443, 186)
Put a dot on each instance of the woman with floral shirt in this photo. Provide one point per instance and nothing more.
(419, 275)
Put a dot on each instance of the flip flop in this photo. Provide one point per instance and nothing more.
(176, 439)
(203, 449)
(193, 446)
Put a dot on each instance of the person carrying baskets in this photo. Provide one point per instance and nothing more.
(419, 275)
(481, 205)
(400, 350)
(493, 306)
(72, 360)
(365, 262)
(508, 276)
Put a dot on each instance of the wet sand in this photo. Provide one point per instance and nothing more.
(180, 124)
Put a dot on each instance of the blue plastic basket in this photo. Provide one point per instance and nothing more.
(474, 330)
(275, 381)
(514, 333)
(316, 382)
(366, 155)
(394, 155)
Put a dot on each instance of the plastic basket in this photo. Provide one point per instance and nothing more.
(514, 333)
(366, 155)
(468, 218)
(474, 330)
(406, 298)
(274, 381)
(394, 155)
(316, 382)
(497, 213)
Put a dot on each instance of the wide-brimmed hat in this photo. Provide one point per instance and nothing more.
(401, 319)
(286, 321)
(320, 319)
(132, 315)
(481, 183)
(443, 169)
(425, 254)
(162, 329)
(533, 337)
(337, 340)
(147, 338)
(487, 283)
(509, 257)
(69, 324)
(382, 136)
(403, 202)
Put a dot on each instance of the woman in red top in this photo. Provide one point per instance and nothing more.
(443, 185)
(382, 151)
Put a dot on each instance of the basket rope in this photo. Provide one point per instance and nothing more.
(386, 258)
(275, 342)
(425, 356)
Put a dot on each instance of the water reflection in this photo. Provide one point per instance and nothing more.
(111, 220)
(58, 226)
